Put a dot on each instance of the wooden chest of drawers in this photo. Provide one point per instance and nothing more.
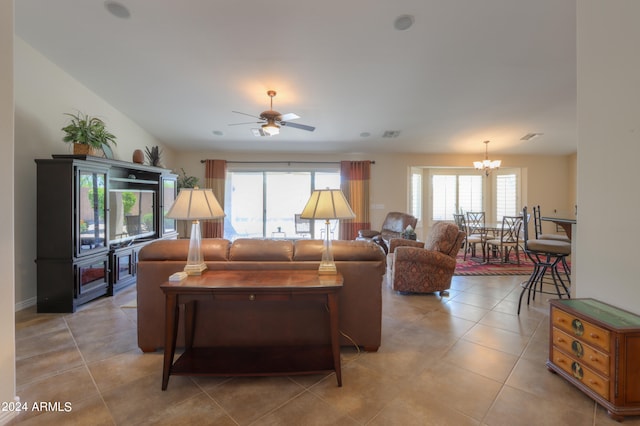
(596, 347)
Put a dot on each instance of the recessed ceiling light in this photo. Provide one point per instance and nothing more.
(403, 22)
(365, 134)
(117, 9)
(218, 133)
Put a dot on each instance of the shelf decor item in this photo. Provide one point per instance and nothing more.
(153, 155)
(138, 156)
(88, 134)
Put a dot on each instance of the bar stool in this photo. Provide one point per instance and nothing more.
(537, 221)
(546, 255)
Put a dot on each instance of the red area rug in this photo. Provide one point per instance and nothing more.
(474, 266)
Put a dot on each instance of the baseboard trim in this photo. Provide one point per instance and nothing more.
(7, 415)
(26, 304)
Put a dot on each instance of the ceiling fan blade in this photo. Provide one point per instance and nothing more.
(250, 115)
(288, 117)
(298, 126)
(248, 122)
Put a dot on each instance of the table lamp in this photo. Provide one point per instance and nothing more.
(195, 204)
(327, 204)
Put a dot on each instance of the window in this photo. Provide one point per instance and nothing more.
(263, 204)
(506, 195)
(452, 193)
(416, 195)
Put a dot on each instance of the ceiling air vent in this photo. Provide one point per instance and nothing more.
(530, 136)
(391, 133)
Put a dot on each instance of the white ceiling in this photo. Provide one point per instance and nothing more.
(465, 72)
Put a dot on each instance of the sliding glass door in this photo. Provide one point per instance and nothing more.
(286, 194)
(263, 204)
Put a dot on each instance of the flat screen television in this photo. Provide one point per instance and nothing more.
(131, 214)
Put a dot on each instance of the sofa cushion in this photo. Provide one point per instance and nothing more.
(213, 249)
(261, 250)
(343, 250)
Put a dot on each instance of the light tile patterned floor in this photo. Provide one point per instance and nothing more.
(466, 359)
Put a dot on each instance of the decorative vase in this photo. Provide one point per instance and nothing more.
(138, 156)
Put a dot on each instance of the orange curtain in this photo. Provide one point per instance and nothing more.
(354, 178)
(215, 173)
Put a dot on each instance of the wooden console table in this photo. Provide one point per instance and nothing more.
(253, 287)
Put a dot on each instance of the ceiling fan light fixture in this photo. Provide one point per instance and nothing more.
(271, 129)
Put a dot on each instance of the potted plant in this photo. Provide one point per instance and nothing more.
(87, 134)
(185, 181)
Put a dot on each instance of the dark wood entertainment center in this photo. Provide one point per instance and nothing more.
(93, 217)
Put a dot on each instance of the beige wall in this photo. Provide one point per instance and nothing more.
(7, 287)
(608, 151)
(546, 179)
(43, 92)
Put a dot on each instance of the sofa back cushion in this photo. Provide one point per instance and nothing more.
(213, 249)
(244, 249)
(343, 250)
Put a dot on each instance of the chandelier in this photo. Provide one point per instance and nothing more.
(487, 165)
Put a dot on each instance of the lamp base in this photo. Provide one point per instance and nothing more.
(327, 264)
(195, 269)
(327, 269)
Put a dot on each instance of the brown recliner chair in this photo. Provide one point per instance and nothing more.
(414, 269)
(392, 227)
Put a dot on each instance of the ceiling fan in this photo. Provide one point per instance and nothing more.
(273, 120)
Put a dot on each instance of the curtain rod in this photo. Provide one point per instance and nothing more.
(283, 162)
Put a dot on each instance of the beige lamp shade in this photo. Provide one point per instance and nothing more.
(327, 204)
(195, 204)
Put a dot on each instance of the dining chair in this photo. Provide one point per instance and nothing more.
(476, 232)
(508, 240)
(462, 225)
(303, 226)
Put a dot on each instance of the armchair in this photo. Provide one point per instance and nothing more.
(425, 269)
(392, 227)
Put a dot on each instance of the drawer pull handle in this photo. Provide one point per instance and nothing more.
(594, 336)
(561, 340)
(578, 327)
(576, 348)
(560, 361)
(252, 297)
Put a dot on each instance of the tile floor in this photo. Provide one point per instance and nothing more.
(466, 359)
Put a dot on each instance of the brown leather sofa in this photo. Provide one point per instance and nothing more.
(393, 226)
(234, 323)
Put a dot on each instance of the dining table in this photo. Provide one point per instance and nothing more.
(565, 220)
